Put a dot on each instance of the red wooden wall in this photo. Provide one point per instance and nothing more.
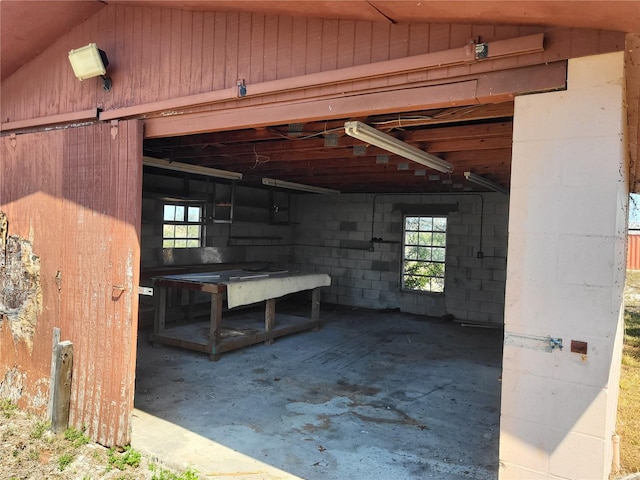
(75, 194)
(158, 54)
(633, 252)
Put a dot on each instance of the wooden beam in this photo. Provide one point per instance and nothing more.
(501, 86)
(442, 59)
(632, 77)
(460, 93)
(90, 114)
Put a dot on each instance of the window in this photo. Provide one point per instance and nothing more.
(182, 225)
(424, 246)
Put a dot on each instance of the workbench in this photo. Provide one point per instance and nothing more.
(238, 288)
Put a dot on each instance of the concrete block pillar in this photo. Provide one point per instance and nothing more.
(565, 277)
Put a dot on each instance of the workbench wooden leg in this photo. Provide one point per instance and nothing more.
(216, 325)
(190, 308)
(315, 308)
(160, 310)
(269, 318)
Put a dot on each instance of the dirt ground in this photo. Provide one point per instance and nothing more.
(28, 450)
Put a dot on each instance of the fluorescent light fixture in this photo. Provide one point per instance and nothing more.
(187, 168)
(485, 182)
(88, 62)
(372, 136)
(272, 182)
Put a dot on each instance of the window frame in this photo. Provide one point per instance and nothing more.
(186, 204)
(439, 246)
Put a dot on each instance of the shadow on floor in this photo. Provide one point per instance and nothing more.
(375, 395)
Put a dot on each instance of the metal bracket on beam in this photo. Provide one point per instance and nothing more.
(148, 291)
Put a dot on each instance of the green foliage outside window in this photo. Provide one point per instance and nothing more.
(183, 226)
(423, 266)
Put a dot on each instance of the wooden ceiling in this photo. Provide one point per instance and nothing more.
(473, 138)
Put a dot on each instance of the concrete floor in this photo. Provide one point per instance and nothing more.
(372, 395)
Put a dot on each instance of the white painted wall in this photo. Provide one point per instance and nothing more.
(565, 276)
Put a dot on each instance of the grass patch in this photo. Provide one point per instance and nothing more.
(76, 437)
(129, 457)
(64, 461)
(628, 425)
(160, 473)
(39, 428)
(7, 407)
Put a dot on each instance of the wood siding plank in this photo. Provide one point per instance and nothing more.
(57, 192)
(174, 57)
(195, 73)
(208, 47)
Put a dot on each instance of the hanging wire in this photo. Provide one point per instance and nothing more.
(258, 158)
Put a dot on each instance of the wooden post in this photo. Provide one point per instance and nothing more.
(269, 318)
(215, 320)
(160, 304)
(62, 386)
(315, 308)
(56, 340)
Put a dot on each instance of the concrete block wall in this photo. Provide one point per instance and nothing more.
(334, 234)
(566, 272)
(250, 238)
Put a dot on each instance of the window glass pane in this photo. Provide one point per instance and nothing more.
(181, 231)
(411, 253)
(426, 223)
(412, 238)
(437, 254)
(437, 285)
(168, 231)
(193, 243)
(424, 253)
(194, 214)
(412, 223)
(180, 244)
(193, 231)
(179, 213)
(167, 243)
(440, 224)
(439, 239)
(169, 212)
(424, 238)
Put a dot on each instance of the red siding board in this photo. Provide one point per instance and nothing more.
(159, 53)
(195, 73)
(68, 206)
(633, 252)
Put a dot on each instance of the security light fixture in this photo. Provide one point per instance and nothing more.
(372, 136)
(272, 182)
(187, 168)
(88, 62)
(485, 182)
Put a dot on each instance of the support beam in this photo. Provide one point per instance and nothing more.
(565, 277)
(494, 87)
(428, 61)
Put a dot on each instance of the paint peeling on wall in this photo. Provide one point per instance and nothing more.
(12, 385)
(20, 290)
(39, 396)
